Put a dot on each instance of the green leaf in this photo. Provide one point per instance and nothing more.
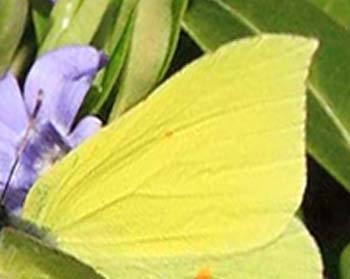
(73, 22)
(23, 257)
(41, 18)
(213, 22)
(12, 22)
(339, 10)
(113, 36)
(155, 33)
(23, 57)
(345, 263)
(116, 21)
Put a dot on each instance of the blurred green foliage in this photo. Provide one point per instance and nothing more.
(339, 10)
(12, 23)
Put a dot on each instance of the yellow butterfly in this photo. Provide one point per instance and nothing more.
(200, 181)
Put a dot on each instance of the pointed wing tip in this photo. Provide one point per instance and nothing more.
(308, 44)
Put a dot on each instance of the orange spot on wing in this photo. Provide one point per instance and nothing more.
(204, 274)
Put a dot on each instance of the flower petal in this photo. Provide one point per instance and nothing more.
(44, 147)
(13, 114)
(9, 137)
(64, 77)
(14, 199)
(85, 128)
(7, 159)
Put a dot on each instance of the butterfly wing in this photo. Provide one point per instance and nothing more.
(287, 257)
(23, 257)
(211, 164)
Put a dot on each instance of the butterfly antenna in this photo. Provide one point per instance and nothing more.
(33, 116)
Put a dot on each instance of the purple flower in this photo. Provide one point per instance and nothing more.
(36, 128)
